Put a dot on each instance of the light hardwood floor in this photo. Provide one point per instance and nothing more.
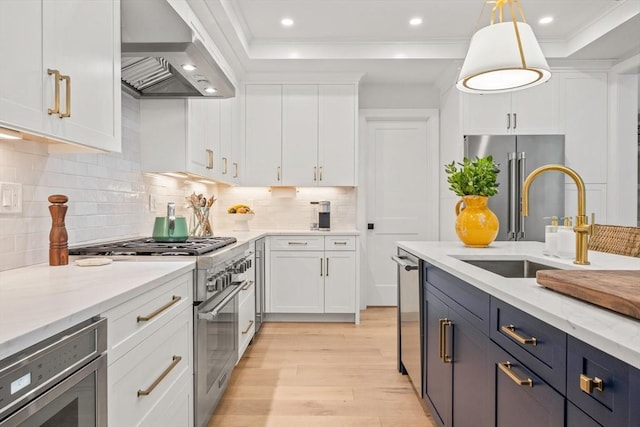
(329, 374)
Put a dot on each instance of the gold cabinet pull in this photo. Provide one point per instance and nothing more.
(209, 159)
(321, 267)
(67, 112)
(235, 169)
(225, 167)
(340, 243)
(248, 285)
(510, 330)
(175, 361)
(444, 323)
(56, 106)
(506, 368)
(278, 173)
(246, 331)
(320, 172)
(588, 384)
(298, 243)
(315, 173)
(150, 316)
(326, 270)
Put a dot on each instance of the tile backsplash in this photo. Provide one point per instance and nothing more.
(110, 198)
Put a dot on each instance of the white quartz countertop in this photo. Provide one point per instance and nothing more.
(613, 333)
(39, 301)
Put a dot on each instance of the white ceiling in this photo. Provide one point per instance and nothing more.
(374, 37)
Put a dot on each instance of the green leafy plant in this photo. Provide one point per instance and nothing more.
(473, 177)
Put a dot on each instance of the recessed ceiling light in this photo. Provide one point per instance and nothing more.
(210, 89)
(287, 22)
(188, 67)
(415, 21)
(545, 20)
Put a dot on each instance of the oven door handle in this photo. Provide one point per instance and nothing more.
(210, 315)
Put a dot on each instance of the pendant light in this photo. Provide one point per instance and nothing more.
(504, 56)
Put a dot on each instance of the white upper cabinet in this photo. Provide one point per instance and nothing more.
(179, 135)
(263, 135)
(79, 102)
(300, 135)
(337, 135)
(535, 111)
(21, 72)
(312, 125)
(586, 115)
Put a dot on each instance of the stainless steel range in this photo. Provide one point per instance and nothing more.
(222, 270)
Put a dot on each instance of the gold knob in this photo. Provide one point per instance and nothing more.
(587, 384)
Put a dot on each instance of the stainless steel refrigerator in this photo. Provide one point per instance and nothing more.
(517, 156)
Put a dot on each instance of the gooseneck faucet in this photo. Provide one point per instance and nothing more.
(582, 228)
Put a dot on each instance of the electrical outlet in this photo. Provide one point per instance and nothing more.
(10, 197)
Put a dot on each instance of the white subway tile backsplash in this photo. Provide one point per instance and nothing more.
(109, 197)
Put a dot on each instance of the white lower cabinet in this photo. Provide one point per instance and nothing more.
(246, 317)
(315, 274)
(297, 283)
(150, 353)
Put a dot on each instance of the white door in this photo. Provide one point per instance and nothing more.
(398, 198)
(300, 135)
(340, 282)
(297, 282)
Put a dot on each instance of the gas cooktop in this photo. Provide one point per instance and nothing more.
(147, 246)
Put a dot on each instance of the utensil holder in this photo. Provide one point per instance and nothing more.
(200, 224)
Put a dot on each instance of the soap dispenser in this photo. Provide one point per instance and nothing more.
(551, 237)
(566, 239)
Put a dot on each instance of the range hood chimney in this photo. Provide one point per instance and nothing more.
(158, 53)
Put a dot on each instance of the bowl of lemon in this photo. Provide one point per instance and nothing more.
(241, 215)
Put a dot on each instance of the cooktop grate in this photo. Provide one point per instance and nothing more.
(147, 246)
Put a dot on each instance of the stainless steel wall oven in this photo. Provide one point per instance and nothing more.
(61, 381)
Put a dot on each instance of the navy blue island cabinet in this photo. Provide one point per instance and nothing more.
(490, 364)
(457, 351)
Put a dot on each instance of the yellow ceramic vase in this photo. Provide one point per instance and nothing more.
(476, 225)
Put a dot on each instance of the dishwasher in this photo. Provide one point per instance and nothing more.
(410, 318)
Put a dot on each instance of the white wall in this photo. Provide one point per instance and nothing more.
(398, 96)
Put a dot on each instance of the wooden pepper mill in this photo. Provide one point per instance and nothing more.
(58, 239)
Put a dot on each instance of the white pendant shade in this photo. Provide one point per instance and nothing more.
(495, 63)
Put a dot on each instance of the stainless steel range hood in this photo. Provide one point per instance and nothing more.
(163, 58)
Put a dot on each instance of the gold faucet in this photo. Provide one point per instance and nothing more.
(582, 228)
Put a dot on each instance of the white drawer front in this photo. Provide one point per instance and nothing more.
(133, 321)
(297, 243)
(340, 243)
(156, 358)
(246, 322)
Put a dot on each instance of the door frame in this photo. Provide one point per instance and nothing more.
(432, 117)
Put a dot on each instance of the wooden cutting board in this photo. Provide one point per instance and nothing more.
(617, 290)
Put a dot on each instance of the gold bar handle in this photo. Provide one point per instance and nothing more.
(326, 270)
(510, 330)
(67, 112)
(315, 173)
(235, 170)
(150, 316)
(56, 107)
(506, 368)
(176, 360)
(225, 167)
(320, 173)
(340, 243)
(209, 159)
(588, 384)
(248, 285)
(246, 331)
(321, 267)
(444, 323)
(278, 173)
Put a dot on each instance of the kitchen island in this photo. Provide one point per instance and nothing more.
(615, 334)
(541, 357)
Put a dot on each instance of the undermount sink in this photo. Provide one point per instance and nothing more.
(512, 268)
